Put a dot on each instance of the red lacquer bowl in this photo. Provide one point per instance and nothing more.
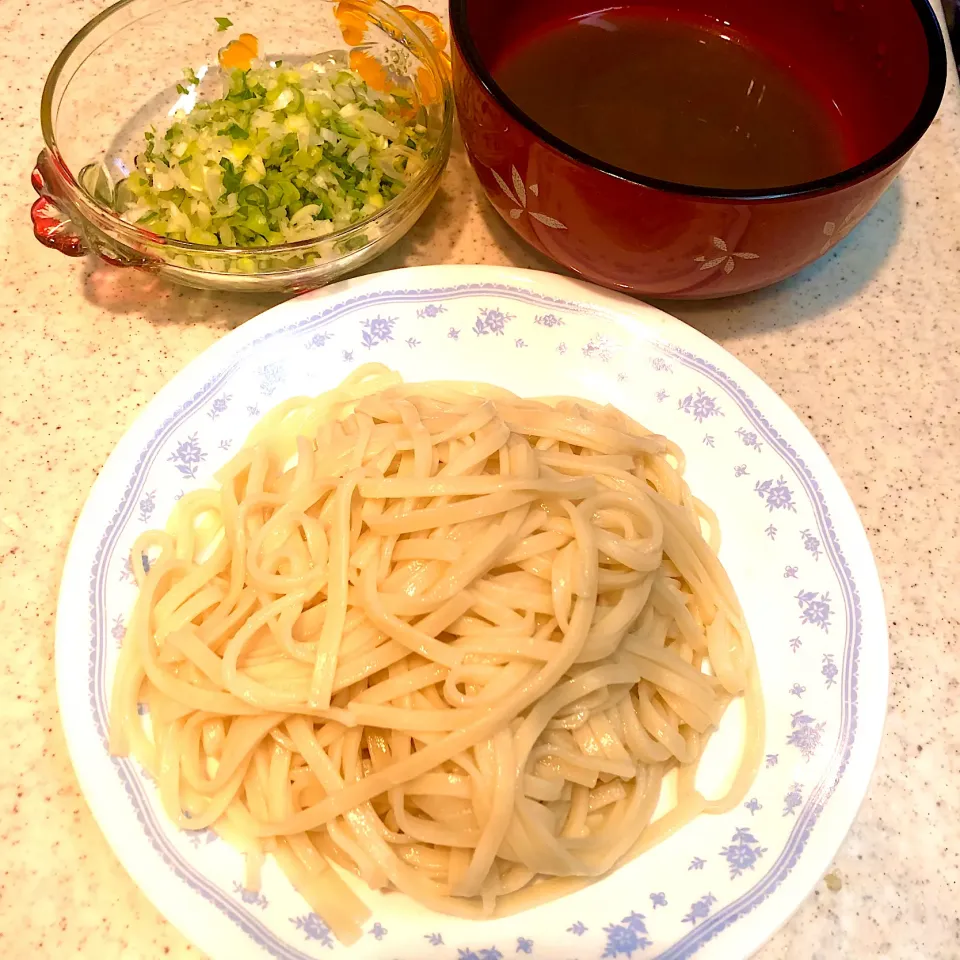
(883, 60)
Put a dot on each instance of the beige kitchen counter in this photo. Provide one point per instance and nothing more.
(864, 345)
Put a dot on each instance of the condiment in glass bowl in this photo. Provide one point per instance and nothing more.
(121, 74)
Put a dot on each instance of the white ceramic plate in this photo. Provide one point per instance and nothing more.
(792, 543)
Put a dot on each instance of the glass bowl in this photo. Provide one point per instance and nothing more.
(120, 73)
(883, 61)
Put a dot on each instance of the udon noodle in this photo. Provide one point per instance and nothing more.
(445, 638)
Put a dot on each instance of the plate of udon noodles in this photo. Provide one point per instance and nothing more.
(471, 613)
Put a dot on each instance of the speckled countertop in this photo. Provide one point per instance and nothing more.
(864, 345)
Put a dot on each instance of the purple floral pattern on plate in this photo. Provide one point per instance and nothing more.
(491, 320)
(777, 494)
(626, 937)
(700, 406)
(188, 456)
(376, 330)
(806, 734)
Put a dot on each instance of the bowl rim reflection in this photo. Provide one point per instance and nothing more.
(883, 158)
(92, 210)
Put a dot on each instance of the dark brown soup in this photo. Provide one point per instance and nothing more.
(672, 99)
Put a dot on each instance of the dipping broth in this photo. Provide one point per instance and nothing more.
(674, 99)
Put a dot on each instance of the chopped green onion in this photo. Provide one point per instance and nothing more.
(254, 195)
(296, 101)
(235, 131)
(284, 154)
(232, 178)
(274, 195)
(223, 23)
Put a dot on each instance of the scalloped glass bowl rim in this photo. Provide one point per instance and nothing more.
(896, 149)
(136, 237)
